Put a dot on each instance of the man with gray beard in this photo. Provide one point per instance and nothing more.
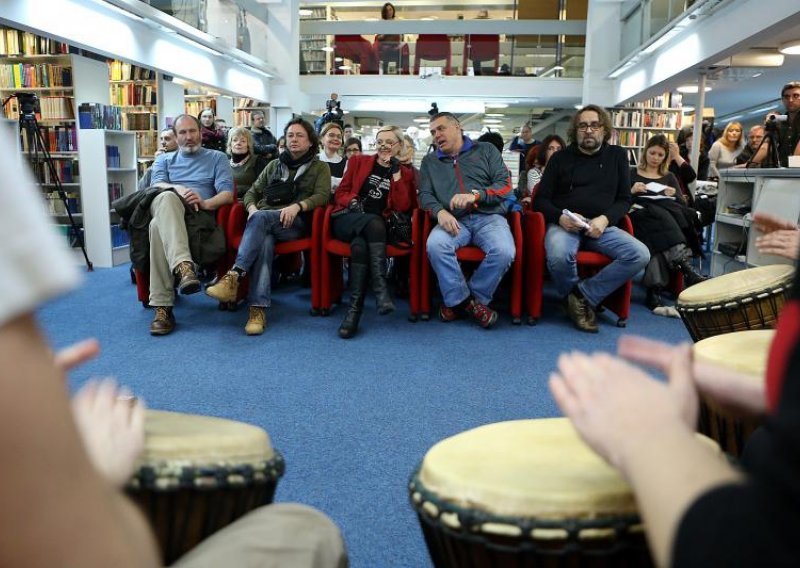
(203, 180)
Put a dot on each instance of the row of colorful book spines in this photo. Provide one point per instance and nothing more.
(56, 206)
(56, 138)
(119, 237)
(16, 42)
(97, 115)
(146, 143)
(140, 121)
(52, 108)
(30, 75)
(115, 191)
(132, 95)
(195, 107)
(120, 71)
(113, 159)
(66, 170)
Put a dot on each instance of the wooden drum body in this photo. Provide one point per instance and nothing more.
(525, 493)
(199, 474)
(742, 351)
(738, 301)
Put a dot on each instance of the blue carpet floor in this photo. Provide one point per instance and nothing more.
(352, 418)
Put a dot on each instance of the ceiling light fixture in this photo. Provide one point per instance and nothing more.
(691, 89)
(790, 47)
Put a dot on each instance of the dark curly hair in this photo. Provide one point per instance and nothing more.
(603, 117)
(312, 134)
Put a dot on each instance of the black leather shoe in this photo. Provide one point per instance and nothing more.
(581, 313)
(163, 322)
(690, 274)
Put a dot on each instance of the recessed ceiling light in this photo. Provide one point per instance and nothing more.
(305, 12)
(756, 75)
(790, 48)
(689, 89)
(688, 109)
(422, 120)
(496, 105)
(495, 114)
(327, 48)
(345, 67)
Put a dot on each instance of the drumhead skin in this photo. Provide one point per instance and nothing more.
(742, 351)
(194, 440)
(525, 468)
(737, 284)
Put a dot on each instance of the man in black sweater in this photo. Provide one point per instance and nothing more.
(584, 193)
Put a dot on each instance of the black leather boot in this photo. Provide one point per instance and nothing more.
(358, 287)
(690, 273)
(377, 264)
(654, 300)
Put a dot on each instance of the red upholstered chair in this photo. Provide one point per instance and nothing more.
(480, 48)
(332, 251)
(472, 253)
(589, 263)
(357, 49)
(432, 47)
(308, 245)
(143, 277)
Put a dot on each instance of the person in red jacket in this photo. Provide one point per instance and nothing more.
(371, 188)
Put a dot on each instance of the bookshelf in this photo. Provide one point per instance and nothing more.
(30, 64)
(108, 166)
(135, 90)
(635, 124)
(242, 107)
(314, 57)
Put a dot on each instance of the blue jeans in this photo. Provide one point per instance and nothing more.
(491, 234)
(257, 250)
(629, 257)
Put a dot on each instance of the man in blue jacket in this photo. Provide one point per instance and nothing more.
(465, 186)
(584, 192)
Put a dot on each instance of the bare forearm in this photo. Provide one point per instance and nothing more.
(668, 473)
(220, 199)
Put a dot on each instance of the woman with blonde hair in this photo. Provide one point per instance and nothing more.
(331, 138)
(372, 187)
(245, 163)
(723, 152)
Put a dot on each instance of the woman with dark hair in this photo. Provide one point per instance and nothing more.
(245, 163)
(537, 159)
(269, 223)
(662, 221)
(352, 146)
(372, 187)
(213, 137)
(388, 44)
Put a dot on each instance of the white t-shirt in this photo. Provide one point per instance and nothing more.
(36, 264)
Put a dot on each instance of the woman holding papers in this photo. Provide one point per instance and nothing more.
(662, 221)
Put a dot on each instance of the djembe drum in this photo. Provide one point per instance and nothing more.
(742, 351)
(525, 493)
(198, 474)
(737, 301)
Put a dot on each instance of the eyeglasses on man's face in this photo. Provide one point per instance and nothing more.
(584, 126)
(792, 96)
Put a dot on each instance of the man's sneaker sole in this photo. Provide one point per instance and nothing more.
(191, 287)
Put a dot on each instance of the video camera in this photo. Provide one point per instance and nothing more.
(29, 104)
(773, 118)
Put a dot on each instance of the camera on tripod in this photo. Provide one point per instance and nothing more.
(333, 113)
(773, 119)
(29, 105)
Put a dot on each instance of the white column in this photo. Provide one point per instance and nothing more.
(602, 52)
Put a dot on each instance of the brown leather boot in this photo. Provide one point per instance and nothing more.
(581, 313)
(163, 321)
(189, 282)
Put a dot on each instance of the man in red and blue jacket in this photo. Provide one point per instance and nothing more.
(465, 186)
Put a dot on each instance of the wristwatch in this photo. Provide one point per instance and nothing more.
(476, 195)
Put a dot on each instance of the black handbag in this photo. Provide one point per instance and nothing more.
(279, 193)
(399, 230)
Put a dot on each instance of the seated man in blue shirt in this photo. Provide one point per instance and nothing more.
(464, 185)
(202, 179)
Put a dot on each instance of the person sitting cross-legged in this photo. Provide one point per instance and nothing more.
(464, 185)
(202, 180)
(268, 223)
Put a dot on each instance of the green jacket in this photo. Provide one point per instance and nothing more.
(312, 185)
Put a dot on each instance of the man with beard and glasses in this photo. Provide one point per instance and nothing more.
(202, 180)
(583, 194)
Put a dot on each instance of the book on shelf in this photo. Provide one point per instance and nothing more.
(67, 171)
(196, 107)
(98, 115)
(61, 138)
(121, 71)
(112, 156)
(34, 75)
(139, 121)
(132, 94)
(115, 191)
(51, 108)
(17, 42)
(57, 206)
(146, 144)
